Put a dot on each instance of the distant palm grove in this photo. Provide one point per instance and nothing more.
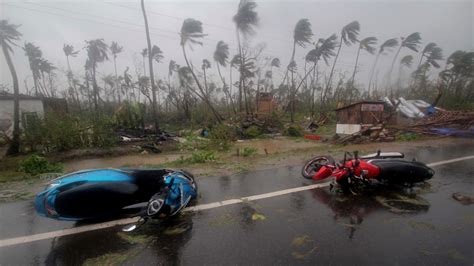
(188, 95)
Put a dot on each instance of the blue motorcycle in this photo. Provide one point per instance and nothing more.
(105, 193)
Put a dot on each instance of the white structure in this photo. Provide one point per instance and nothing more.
(28, 105)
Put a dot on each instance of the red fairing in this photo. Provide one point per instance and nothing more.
(324, 172)
(371, 171)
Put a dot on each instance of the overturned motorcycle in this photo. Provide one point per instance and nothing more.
(105, 193)
(354, 172)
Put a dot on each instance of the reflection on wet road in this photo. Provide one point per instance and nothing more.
(421, 225)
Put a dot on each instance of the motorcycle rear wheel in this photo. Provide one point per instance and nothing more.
(312, 166)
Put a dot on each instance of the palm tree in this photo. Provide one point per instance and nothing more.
(96, 53)
(191, 32)
(34, 55)
(69, 52)
(157, 55)
(432, 53)
(205, 65)
(367, 45)
(302, 35)
(324, 49)
(406, 61)
(221, 56)
(9, 35)
(46, 67)
(411, 42)
(115, 49)
(386, 46)
(349, 36)
(245, 21)
(274, 63)
(150, 66)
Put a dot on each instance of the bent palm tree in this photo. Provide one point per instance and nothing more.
(115, 49)
(302, 35)
(324, 50)
(8, 36)
(407, 62)
(245, 21)
(386, 46)
(349, 36)
(411, 42)
(96, 53)
(69, 52)
(191, 32)
(34, 55)
(367, 45)
(221, 56)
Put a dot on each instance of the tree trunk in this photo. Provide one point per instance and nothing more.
(202, 95)
(14, 147)
(94, 88)
(372, 73)
(150, 66)
(355, 68)
(228, 93)
(117, 88)
(240, 70)
(332, 70)
(391, 70)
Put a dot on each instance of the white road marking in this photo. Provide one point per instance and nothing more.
(451, 161)
(92, 227)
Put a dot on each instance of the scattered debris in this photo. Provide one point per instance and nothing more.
(258, 217)
(466, 200)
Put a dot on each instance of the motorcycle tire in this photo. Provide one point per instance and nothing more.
(307, 173)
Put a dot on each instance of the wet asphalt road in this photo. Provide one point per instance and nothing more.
(424, 225)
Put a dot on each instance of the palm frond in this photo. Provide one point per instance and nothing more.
(205, 64)
(349, 32)
(9, 34)
(191, 31)
(367, 44)
(172, 67)
(221, 54)
(412, 41)
(115, 48)
(390, 43)
(246, 18)
(156, 54)
(407, 61)
(275, 62)
(302, 33)
(324, 49)
(69, 50)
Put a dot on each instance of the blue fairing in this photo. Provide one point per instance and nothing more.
(46, 199)
(174, 196)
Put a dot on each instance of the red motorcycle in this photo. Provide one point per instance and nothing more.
(380, 167)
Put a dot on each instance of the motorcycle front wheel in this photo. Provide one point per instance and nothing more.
(312, 166)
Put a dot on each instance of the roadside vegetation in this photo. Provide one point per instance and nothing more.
(188, 98)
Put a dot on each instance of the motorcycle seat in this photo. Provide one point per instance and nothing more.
(383, 155)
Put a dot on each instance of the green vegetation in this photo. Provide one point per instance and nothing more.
(407, 137)
(252, 132)
(294, 131)
(35, 165)
(247, 151)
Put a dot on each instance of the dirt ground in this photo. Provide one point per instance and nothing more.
(280, 152)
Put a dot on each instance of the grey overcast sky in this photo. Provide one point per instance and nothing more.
(50, 24)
